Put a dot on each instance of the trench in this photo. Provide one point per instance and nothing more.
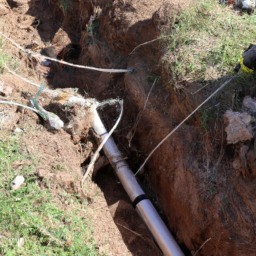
(179, 185)
(79, 47)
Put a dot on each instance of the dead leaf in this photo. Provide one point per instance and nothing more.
(17, 164)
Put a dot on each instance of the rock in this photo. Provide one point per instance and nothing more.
(21, 242)
(18, 130)
(250, 103)
(238, 126)
(17, 182)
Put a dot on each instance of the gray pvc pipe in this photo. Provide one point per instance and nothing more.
(144, 207)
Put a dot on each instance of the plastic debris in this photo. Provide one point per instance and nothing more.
(46, 63)
(17, 182)
(238, 126)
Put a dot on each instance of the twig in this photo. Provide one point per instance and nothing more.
(202, 246)
(103, 143)
(193, 93)
(45, 232)
(30, 82)
(142, 237)
(67, 63)
(22, 78)
(19, 105)
(178, 126)
(139, 116)
(130, 230)
(148, 43)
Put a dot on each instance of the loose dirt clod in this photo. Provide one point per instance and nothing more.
(238, 127)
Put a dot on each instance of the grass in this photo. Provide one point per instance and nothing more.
(6, 59)
(32, 213)
(64, 6)
(208, 40)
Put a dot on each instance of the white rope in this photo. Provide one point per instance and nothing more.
(178, 126)
(19, 105)
(67, 63)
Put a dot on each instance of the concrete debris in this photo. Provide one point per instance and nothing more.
(238, 126)
(17, 182)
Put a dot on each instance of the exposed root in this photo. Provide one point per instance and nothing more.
(132, 131)
(93, 160)
(178, 126)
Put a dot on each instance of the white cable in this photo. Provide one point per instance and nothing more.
(19, 105)
(67, 63)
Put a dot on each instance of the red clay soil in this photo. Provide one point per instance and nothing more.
(190, 178)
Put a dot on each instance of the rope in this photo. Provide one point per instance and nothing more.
(65, 62)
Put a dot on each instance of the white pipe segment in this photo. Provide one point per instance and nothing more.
(141, 203)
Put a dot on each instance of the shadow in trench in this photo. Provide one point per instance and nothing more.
(133, 231)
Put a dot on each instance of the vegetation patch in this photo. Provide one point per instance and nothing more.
(31, 213)
(208, 39)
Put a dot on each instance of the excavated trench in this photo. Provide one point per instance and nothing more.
(198, 199)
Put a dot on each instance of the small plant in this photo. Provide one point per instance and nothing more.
(212, 190)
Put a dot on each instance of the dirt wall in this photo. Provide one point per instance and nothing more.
(189, 178)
